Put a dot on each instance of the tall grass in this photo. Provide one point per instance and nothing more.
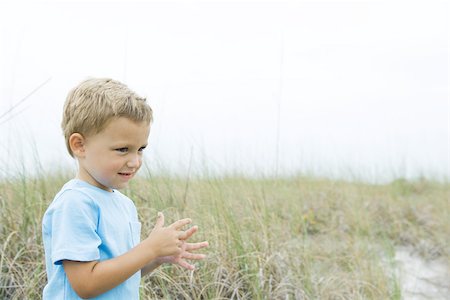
(296, 238)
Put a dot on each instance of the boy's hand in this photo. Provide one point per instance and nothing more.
(185, 253)
(166, 241)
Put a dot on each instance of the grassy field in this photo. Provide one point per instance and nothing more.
(296, 238)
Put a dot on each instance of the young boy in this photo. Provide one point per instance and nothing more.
(91, 231)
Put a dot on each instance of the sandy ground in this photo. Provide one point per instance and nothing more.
(421, 279)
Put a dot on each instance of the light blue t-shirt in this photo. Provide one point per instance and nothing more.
(86, 223)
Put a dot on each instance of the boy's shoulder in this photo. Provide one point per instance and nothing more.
(73, 193)
(75, 187)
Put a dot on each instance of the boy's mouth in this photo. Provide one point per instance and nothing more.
(125, 174)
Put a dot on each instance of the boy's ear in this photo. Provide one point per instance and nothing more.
(77, 143)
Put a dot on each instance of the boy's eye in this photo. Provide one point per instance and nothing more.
(123, 150)
(141, 149)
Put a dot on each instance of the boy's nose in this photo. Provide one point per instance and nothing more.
(134, 161)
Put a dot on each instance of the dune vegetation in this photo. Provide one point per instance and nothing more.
(291, 238)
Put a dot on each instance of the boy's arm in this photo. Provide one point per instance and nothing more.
(90, 279)
(150, 267)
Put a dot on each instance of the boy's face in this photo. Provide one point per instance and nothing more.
(112, 157)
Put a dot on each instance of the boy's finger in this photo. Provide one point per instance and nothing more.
(196, 246)
(186, 265)
(193, 256)
(160, 220)
(188, 233)
(180, 223)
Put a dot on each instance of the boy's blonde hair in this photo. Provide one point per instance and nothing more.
(96, 101)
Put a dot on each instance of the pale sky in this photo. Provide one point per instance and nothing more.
(330, 87)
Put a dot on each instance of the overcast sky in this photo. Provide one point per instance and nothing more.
(331, 87)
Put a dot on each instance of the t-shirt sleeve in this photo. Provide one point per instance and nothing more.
(74, 228)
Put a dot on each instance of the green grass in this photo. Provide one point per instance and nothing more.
(296, 238)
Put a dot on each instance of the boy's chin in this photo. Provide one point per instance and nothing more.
(120, 186)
